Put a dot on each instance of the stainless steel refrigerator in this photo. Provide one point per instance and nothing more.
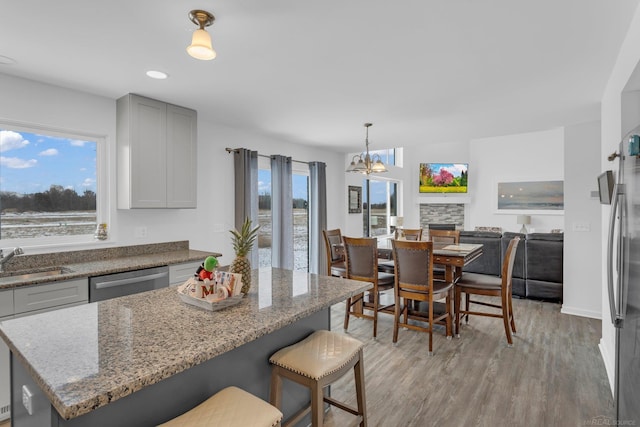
(623, 265)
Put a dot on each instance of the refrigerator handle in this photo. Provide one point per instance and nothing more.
(615, 318)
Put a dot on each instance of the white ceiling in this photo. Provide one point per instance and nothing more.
(314, 71)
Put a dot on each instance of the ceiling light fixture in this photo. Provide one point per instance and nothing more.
(158, 75)
(367, 164)
(200, 47)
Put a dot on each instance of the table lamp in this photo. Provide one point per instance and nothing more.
(524, 220)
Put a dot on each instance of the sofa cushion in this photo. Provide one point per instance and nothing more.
(519, 262)
(555, 237)
(538, 289)
(544, 259)
(480, 233)
(491, 260)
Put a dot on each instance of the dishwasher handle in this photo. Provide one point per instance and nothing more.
(123, 282)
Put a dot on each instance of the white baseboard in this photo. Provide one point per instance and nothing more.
(576, 311)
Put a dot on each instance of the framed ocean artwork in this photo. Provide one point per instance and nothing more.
(527, 196)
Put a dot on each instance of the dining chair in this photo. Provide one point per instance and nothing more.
(440, 239)
(485, 285)
(408, 233)
(335, 257)
(414, 283)
(361, 255)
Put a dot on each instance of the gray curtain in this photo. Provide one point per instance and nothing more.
(246, 187)
(281, 213)
(317, 217)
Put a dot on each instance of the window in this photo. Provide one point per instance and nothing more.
(264, 215)
(300, 187)
(380, 204)
(301, 220)
(388, 156)
(49, 186)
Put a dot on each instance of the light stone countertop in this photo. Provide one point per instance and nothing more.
(98, 262)
(86, 356)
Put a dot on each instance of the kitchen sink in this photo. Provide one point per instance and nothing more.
(37, 273)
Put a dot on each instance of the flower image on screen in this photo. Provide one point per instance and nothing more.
(443, 177)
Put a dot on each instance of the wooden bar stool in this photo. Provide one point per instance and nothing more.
(316, 362)
(230, 407)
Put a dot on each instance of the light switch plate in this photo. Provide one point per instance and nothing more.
(581, 226)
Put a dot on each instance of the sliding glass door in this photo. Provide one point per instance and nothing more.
(300, 182)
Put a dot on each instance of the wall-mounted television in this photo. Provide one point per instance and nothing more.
(443, 177)
(605, 187)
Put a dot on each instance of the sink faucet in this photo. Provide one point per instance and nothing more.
(6, 259)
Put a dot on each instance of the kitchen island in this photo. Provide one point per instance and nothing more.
(143, 359)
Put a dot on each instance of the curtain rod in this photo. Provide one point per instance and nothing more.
(235, 150)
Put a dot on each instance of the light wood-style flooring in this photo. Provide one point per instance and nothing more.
(552, 376)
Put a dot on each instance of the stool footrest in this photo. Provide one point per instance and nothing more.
(297, 416)
(337, 404)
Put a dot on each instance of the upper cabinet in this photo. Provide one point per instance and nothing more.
(156, 158)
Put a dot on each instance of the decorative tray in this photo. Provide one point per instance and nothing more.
(222, 291)
(209, 305)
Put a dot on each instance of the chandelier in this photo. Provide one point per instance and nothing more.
(367, 164)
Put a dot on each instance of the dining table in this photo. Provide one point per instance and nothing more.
(452, 256)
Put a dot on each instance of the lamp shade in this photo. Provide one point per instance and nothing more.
(200, 47)
(524, 219)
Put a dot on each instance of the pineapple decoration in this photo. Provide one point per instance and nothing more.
(242, 243)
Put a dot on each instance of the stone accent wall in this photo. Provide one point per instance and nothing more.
(442, 213)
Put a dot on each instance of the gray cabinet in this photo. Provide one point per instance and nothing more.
(6, 302)
(180, 273)
(156, 154)
(28, 300)
(50, 295)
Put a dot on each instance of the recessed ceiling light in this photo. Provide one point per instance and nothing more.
(154, 74)
(6, 60)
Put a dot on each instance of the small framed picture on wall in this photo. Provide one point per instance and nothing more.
(355, 199)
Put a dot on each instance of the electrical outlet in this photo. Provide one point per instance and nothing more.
(27, 399)
(140, 232)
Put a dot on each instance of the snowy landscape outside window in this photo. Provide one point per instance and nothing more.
(48, 186)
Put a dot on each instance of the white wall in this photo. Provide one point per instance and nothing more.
(207, 226)
(410, 199)
(614, 125)
(583, 221)
(536, 156)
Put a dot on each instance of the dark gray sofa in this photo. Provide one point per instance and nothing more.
(544, 265)
(537, 270)
(491, 260)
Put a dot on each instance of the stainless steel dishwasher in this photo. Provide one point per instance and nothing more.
(127, 283)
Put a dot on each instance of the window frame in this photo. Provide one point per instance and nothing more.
(366, 213)
(102, 185)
